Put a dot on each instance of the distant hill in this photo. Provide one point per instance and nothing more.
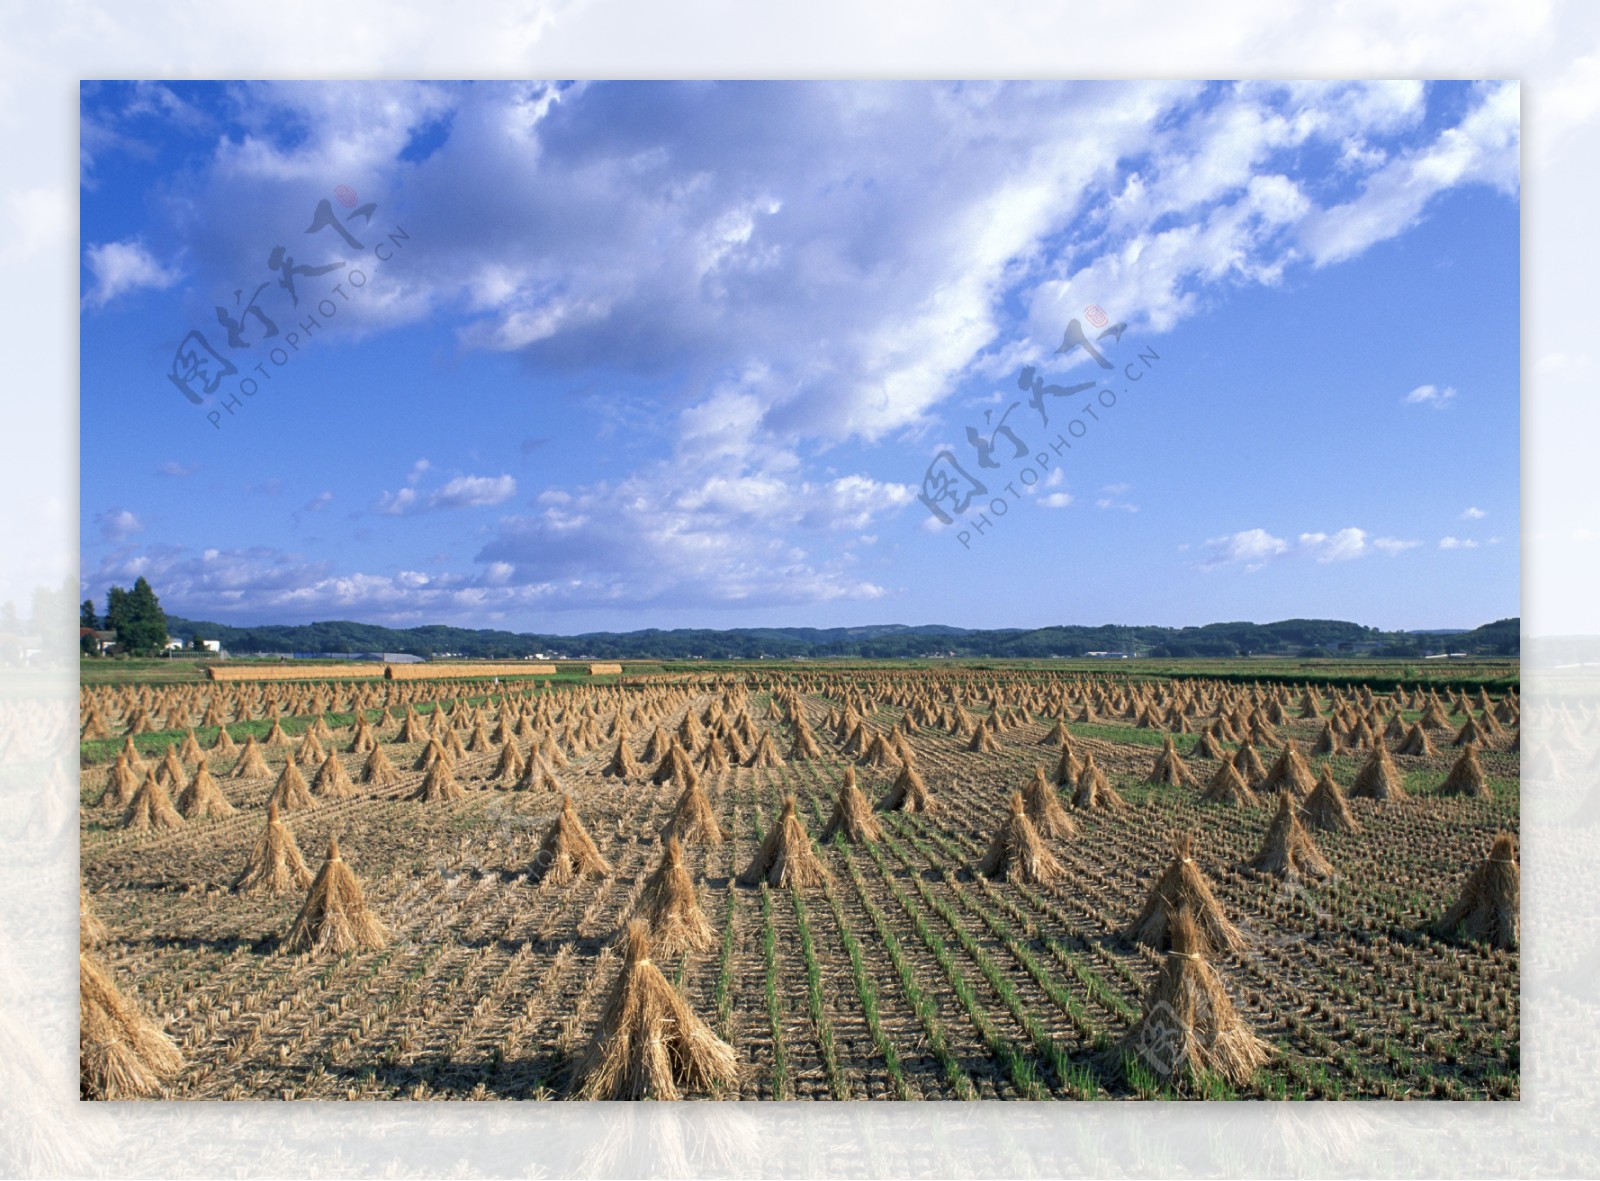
(1289, 637)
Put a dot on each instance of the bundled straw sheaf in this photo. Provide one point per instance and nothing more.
(1184, 886)
(568, 851)
(335, 918)
(670, 908)
(1018, 853)
(649, 1044)
(122, 1053)
(852, 815)
(1489, 909)
(274, 865)
(1189, 1025)
(786, 857)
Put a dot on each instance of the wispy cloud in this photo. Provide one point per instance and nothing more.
(1457, 543)
(1393, 545)
(1111, 498)
(1431, 395)
(458, 493)
(121, 267)
(1473, 514)
(1483, 148)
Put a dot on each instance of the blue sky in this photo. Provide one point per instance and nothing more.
(649, 355)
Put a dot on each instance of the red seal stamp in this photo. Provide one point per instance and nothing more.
(346, 195)
(1096, 315)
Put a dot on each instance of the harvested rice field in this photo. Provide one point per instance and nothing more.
(919, 883)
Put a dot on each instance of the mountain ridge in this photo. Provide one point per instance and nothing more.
(1289, 637)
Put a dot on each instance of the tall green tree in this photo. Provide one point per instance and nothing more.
(116, 610)
(86, 616)
(136, 616)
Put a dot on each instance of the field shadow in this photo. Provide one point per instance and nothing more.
(539, 1075)
(223, 945)
(156, 885)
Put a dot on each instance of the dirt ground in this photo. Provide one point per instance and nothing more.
(905, 976)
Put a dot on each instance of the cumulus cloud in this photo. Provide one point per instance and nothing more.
(1431, 395)
(474, 492)
(121, 267)
(647, 225)
(118, 524)
(249, 583)
(722, 537)
(457, 493)
(1254, 548)
(1250, 548)
(1473, 514)
(1336, 547)
(1457, 543)
(725, 518)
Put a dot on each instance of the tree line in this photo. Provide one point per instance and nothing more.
(135, 615)
(1302, 638)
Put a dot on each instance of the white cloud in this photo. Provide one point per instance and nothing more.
(1336, 547)
(1431, 395)
(1393, 545)
(1251, 548)
(1482, 148)
(1056, 500)
(1254, 548)
(1473, 514)
(1457, 543)
(606, 230)
(1212, 207)
(474, 492)
(459, 492)
(120, 267)
(395, 504)
(349, 131)
(696, 530)
(118, 524)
